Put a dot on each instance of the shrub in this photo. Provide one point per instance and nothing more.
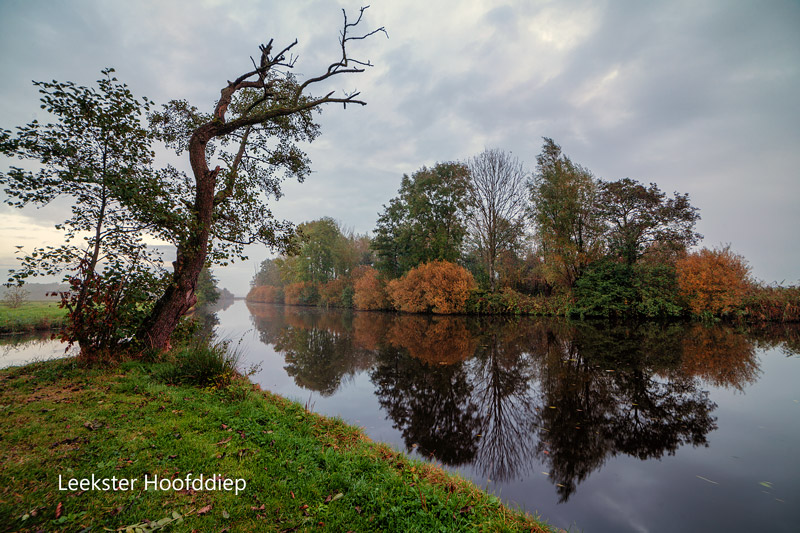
(714, 282)
(15, 296)
(203, 363)
(105, 309)
(439, 286)
(510, 302)
(658, 294)
(771, 303)
(605, 289)
(332, 293)
(370, 290)
(301, 293)
(265, 294)
(610, 288)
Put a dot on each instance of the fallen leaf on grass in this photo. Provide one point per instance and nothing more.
(93, 425)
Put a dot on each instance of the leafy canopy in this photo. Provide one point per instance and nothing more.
(638, 217)
(425, 222)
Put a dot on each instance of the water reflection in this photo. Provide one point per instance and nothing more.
(24, 348)
(508, 395)
(616, 390)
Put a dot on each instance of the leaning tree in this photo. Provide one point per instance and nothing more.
(238, 154)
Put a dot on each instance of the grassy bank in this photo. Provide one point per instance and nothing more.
(302, 471)
(31, 316)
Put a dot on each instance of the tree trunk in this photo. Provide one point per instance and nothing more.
(180, 296)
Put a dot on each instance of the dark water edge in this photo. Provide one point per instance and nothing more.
(608, 427)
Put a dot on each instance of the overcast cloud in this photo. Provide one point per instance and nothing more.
(698, 97)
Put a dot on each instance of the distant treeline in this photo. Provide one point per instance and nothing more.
(486, 236)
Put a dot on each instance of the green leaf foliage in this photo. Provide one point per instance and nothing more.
(97, 155)
(615, 289)
(564, 209)
(425, 222)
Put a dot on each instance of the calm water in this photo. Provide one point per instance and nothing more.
(657, 427)
(650, 428)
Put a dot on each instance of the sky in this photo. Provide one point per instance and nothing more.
(697, 97)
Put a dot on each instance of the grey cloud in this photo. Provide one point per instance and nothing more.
(704, 99)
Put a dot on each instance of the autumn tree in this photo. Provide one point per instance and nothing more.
(239, 154)
(713, 281)
(439, 287)
(97, 155)
(497, 205)
(370, 290)
(425, 222)
(564, 208)
(638, 217)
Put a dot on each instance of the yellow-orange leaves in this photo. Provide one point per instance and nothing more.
(439, 286)
(714, 281)
(370, 290)
(265, 294)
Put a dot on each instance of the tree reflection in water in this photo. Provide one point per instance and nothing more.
(506, 394)
(431, 405)
(317, 345)
(503, 373)
(616, 390)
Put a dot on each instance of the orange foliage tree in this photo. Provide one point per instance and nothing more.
(370, 290)
(330, 293)
(265, 294)
(300, 293)
(713, 281)
(439, 286)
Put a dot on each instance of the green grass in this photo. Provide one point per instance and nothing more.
(31, 316)
(303, 471)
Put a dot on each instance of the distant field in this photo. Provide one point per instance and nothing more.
(30, 316)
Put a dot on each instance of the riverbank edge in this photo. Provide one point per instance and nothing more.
(543, 310)
(303, 470)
